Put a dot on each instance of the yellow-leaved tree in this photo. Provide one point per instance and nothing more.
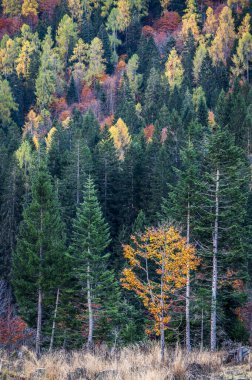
(124, 16)
(243, 56)
(211, 23)
(224, 39)
(199, 57)
(190, 20)
(30, 8)
(174, 70)
(159, 262)
(49, 138)
(76, 9)
(8, 54)
(12, 8)
(121, 138)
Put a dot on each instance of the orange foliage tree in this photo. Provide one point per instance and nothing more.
(159, 261)
(168, 23)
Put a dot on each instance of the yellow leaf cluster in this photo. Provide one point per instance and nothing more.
(159, 261)
(124, 16)
(174, 70)
(8, 56)
(49, 138)
(30, 8)
(224, 39)
(121, 137)
(211, 23)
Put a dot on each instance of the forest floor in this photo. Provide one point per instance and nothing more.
(131, 363)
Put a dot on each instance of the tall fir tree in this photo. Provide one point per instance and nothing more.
(39, 261)
(221, 224)
(91, 239)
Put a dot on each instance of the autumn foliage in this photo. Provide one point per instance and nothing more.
(168, 23)
(159, 261)
(13, 330)
(149, 132)
(9, 26)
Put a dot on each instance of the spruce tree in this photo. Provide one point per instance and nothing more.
(221, 223)
(39, 261)
(187, 59)
(79, 166)
(90, 241)
(107, 172)
(182, 206)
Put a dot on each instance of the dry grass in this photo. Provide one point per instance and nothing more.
(131, 363)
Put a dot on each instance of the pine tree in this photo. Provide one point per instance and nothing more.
(135, 79)
(39, 258)
(7, 103)
(107, 172)
(113, 25)
(182, 206)
(96, 61)
(66, 37)
(91, 239)
(12, 191)
(149, 57)
(103, 36)
(77, 169)
(187, 59)
(212, 80)
(153, 96)
(222, 218)
(49, 81)
(125, 107)
(140, 223)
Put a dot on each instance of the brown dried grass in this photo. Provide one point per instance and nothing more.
(130, 363)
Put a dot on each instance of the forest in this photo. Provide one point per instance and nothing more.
(125, 174)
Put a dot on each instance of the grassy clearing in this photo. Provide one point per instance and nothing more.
(131, 363)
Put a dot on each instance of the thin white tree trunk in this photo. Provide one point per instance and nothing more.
(54, 320)
(39, 323)
(202, 331)
(188, 287)
(215, 266)
(90, 311)
(39, 306)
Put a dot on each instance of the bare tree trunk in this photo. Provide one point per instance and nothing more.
(39, 311)
(162, 342)
(215, 267)
(90, 311)
(39, 323)
(54, 321)
(188, 287)
(202, 331)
